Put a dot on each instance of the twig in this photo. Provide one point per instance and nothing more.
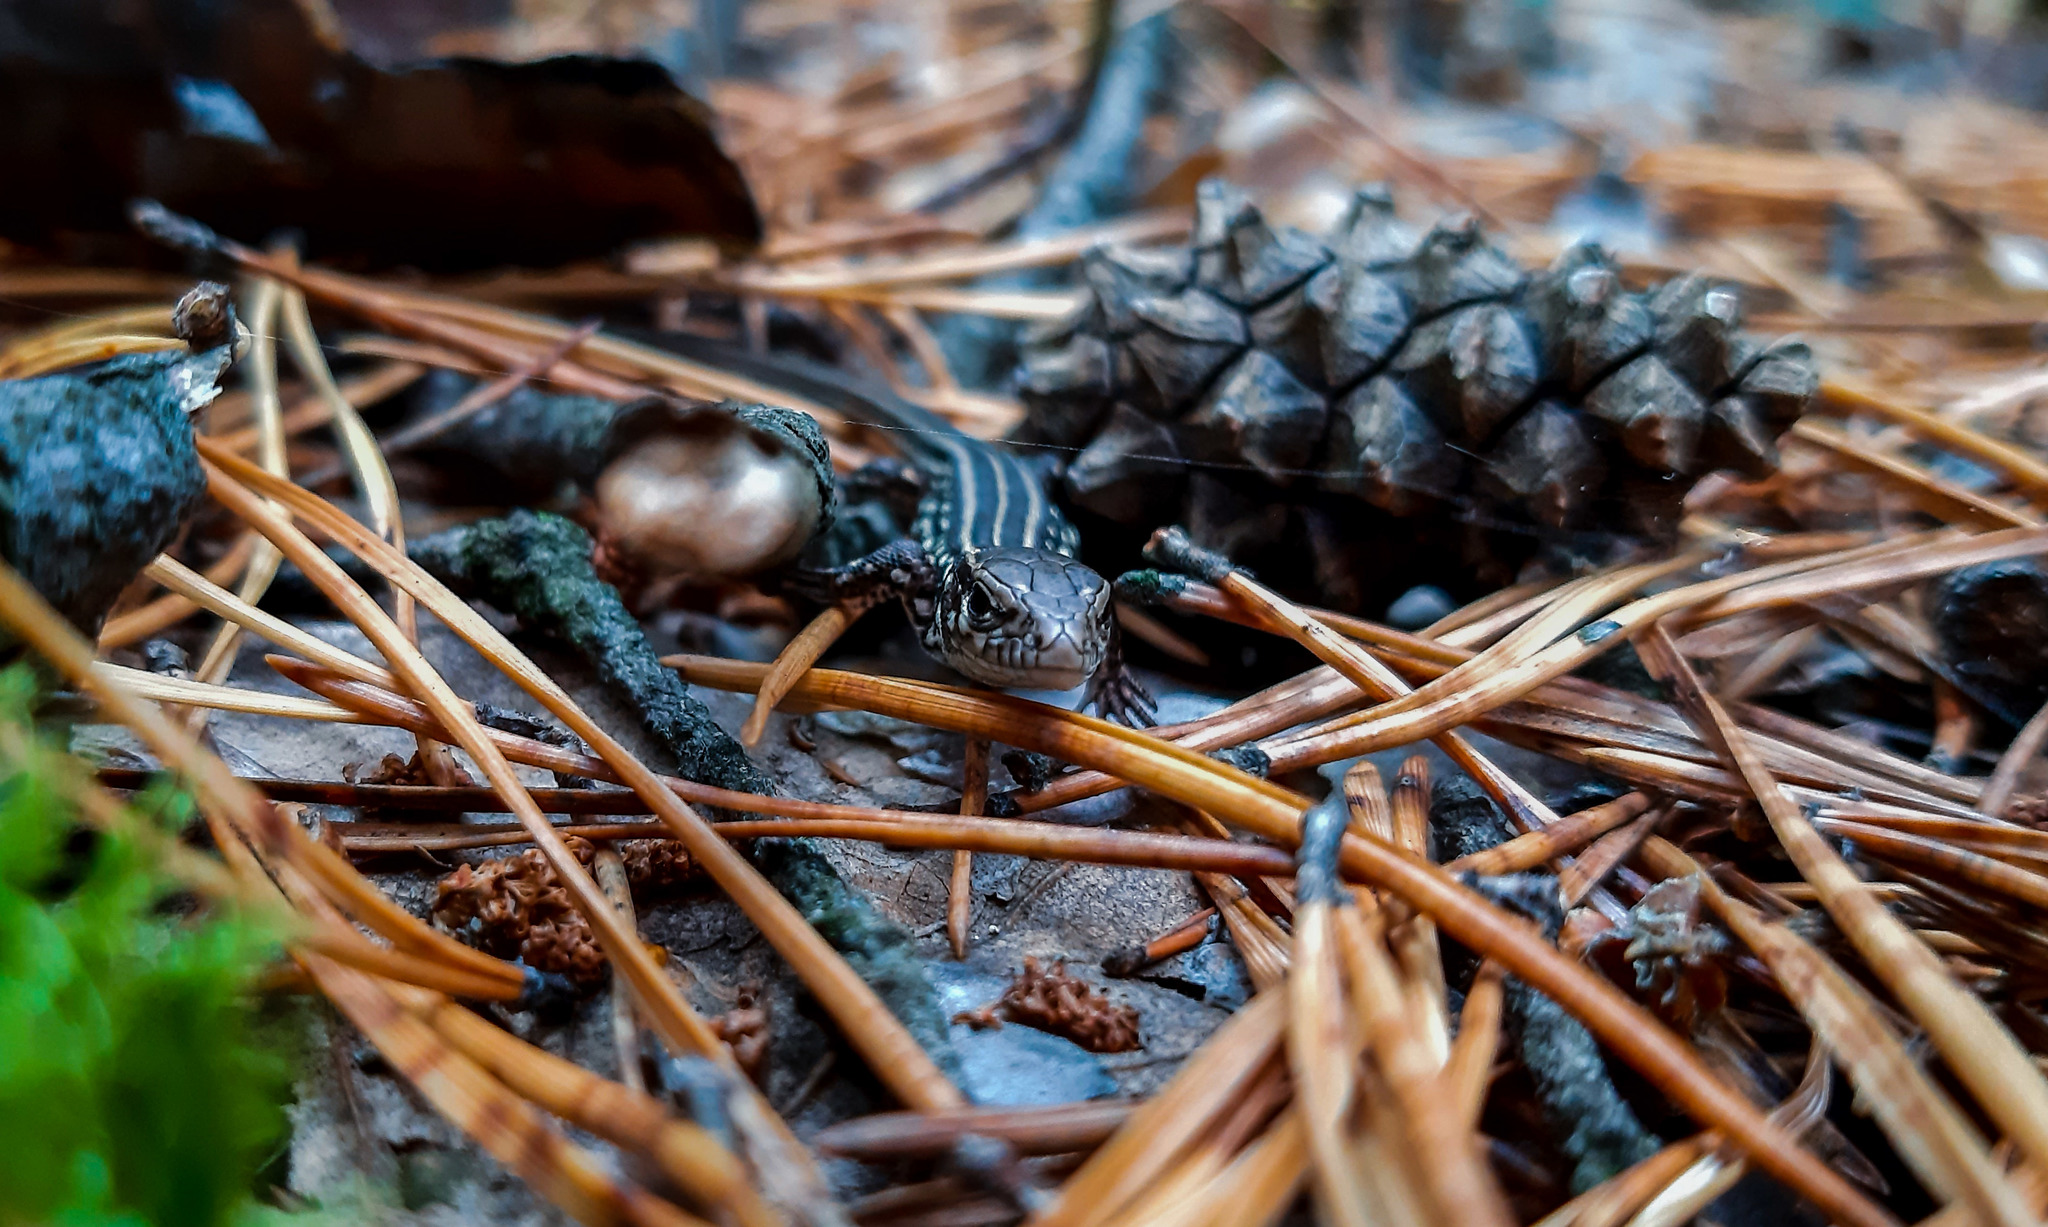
(1452, 1172)
(1185, 936)
(960, 888)
(167, 611)
(2029, 474)
(610, 870)
(1346, 657)
(1569, 833)
(1049, 1130)
(1469, 1071)
(205, 696)
(1603, 857)
(1323, 1041)
(265, 300)
(1938, 497)
(483, 397)
(1414, 940)
(372, 478)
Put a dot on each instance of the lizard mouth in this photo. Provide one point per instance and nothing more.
(1048, 661)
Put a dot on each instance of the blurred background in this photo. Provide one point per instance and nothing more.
(1866, 143)
(1869, 168)
(903, 190)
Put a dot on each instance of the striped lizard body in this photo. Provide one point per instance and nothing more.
(990, 576)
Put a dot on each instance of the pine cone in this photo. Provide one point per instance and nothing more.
(654, 865)
(1427, 377)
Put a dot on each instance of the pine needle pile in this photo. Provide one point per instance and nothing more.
(1684, 863)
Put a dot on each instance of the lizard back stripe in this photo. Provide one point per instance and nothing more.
(981, 497)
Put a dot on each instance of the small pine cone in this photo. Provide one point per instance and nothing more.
(1427, 376)
(566, 947)
(550, 897)
(656, 864)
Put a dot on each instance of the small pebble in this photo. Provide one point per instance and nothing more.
(1419, 607)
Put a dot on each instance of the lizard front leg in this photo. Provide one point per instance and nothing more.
(900, 569)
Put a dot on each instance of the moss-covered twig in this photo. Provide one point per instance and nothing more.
(1596, 1127)
(536, 567)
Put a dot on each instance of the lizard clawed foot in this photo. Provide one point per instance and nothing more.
(1117, 694)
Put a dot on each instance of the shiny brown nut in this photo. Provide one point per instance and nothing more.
(710, 491)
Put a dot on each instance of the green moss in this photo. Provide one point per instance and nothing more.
(1150, 587)
(133, 1088)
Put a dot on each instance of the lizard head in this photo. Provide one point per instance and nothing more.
(1023, 618)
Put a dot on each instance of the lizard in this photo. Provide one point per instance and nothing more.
(990, 575)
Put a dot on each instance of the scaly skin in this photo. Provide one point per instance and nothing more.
(1021, 617)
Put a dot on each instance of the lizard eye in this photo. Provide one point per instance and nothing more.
(982, 610)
